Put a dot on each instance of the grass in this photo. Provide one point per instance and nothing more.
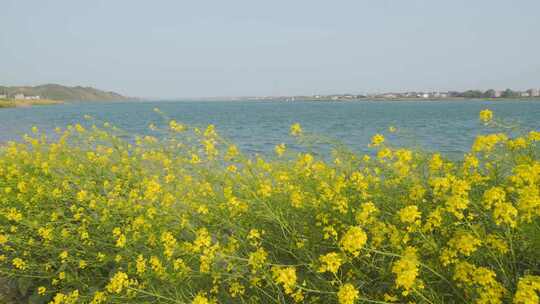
(11, 103)
(5, 103)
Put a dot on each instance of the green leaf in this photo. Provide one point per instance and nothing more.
(23, 285)
(37, 299)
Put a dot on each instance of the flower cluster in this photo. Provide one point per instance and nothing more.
(181, 215)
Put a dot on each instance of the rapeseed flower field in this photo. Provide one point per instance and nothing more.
(87, 216)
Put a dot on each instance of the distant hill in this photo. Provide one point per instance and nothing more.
(60, 92)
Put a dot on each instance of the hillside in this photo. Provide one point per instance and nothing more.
(59, 92)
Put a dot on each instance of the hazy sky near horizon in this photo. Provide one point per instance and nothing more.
(281, 47)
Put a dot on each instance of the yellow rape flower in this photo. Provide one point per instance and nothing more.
(285, 276)
(280, 149)
(465, 242)
(496, 243)
(487, 143)
(505, 213)
(236, 289)
(534, 136)
(175, 126)
(406, 269)
(19, 263)
(121, 241)
(63, 256)
(517, 143)
(296, 129)
(200, 299)
(528, 289)
(377, 140)
(169, 243)
(82, 264)
(140, 264)
(330, 262)
(118, 283)
(210, 131)
(202, 240)
(488, 289)
(61, 298)
(353, 240)
(82, 195)
(436, 162)
(232, 152)
(366, 213)
(486, 116)
(44, 233)
(157, 266)
(13, 214)
(257, 259)
(3, 239)
(347, 294)
(494, 195)
(41, 290)
(99, 297)
(254, 236)
(410, 214)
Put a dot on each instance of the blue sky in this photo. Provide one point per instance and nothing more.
(230, 48)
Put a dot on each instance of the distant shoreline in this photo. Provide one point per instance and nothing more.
(25, 103)
(382, 99)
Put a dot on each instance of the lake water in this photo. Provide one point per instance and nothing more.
(257, 126)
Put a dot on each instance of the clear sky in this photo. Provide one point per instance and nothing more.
(230, 48)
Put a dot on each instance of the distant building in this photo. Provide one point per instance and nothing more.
(440, 94)
(18, 96)
(3, 96)
(409, 94)
(524, 94)
(425, 95)
(534, 92)
(32, 97)
(492, 93)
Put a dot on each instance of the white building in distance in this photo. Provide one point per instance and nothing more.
(534, 92)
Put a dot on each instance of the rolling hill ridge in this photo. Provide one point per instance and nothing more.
(60, 92)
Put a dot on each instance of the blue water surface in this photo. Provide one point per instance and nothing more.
(257, 126)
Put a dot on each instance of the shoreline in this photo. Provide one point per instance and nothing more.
(25, 103)
(382, 99)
